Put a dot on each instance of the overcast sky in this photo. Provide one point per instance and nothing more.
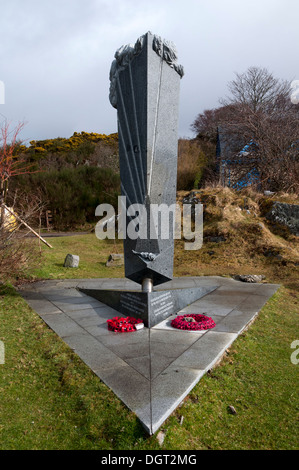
(55, 55)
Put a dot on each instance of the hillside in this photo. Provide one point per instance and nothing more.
(239, 238)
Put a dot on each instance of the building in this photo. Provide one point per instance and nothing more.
(236, 160)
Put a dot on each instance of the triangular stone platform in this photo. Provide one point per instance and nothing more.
(153, 369)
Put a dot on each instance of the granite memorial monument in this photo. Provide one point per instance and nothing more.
(144, 88)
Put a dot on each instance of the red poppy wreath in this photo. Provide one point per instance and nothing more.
(123, 324)
(193, 322)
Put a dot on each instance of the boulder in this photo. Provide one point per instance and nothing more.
(71, 261)
(249, 277)
(216, 239)
(285, 214)
(115, 260)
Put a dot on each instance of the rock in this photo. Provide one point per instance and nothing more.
(160, 437)
(232, 410)
(268, 193)
(269, 253)
(249, 277)
(193, 201)
(115, 260)
(285, 214)
(218, 239)
(71, 261)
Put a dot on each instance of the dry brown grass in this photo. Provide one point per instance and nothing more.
(18, 257)
(252, 244)
(191, 162)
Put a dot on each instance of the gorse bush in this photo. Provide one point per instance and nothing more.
(72, 177)
(72, 194)
(81, 148)
(63, 145)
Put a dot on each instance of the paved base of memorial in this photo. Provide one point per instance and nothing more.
(150, 370)
(151, 307)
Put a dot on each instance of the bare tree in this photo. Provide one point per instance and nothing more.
(10, 165)
(264, 114)
(205, 124)
(259, 111)
(17, 253)
(258, 89)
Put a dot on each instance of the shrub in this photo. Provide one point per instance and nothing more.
(191, 163)
(18, 256)
(72, 194)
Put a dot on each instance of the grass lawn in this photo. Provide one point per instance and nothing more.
(51, 400)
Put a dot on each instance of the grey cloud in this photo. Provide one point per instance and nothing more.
(55, 55)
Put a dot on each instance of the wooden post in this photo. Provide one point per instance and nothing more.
(48, 219)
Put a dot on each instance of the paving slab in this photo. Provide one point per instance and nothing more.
(150, 370)
(168, 390)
